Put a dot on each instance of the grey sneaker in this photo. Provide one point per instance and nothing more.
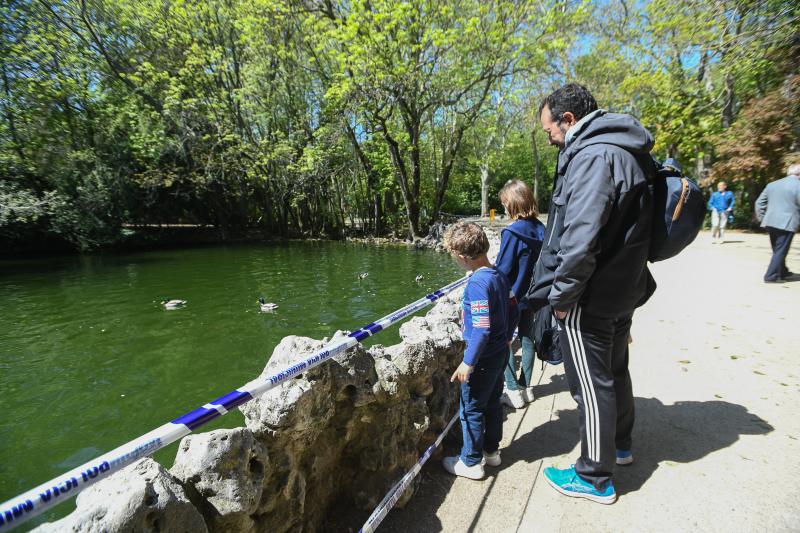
(492, 459)
(456, 466)
(528, 394)
(513, 398)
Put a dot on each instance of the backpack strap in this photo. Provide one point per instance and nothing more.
(682, 200)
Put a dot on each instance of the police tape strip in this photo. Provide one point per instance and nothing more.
(397, 491)
(37, 500)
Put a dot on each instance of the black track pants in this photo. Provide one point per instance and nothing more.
(596, 363)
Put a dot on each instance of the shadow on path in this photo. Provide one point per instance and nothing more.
(682, 433)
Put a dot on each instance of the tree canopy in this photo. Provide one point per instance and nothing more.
(318, 117)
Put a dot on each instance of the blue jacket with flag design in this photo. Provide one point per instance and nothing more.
(490, 315)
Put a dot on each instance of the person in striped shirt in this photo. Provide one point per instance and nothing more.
(489, 316)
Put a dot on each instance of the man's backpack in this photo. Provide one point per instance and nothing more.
(679, 210)
(545, 336)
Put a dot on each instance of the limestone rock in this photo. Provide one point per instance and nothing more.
(296, 403)
(225, 467)
(141, 497)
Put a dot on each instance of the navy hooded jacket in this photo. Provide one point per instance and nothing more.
(520, 245)
(598, 230)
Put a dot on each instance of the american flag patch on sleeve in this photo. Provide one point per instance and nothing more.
(480, 321)
(479, 307)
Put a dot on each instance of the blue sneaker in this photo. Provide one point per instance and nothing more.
(569, 483)
(624, 457)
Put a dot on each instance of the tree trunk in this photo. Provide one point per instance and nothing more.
(372, 179)
(448, 160)
(485, 187)
(401, 172)
(12, 127)
(752, 195)
(416, 178)
(378, 214)
(727, 108)
(537, 169)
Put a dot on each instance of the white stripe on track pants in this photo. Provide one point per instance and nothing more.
(596, 364)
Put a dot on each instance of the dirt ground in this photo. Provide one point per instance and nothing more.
(715, 365)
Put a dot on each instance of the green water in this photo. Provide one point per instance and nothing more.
(89, 359)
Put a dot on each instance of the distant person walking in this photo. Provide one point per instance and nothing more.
(520, 244)
(778, 210)
(721, 206)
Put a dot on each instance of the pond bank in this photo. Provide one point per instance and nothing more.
(337, 437)
(91, 359)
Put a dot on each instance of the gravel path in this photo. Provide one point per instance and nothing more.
(716, 375)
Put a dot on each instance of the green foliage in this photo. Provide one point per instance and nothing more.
(316, 117)
(689, 69)
(754, 149)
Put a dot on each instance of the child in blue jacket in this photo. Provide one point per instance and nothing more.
(520, 245)
(489, 314)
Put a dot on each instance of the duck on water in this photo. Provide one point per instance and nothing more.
(171, 305)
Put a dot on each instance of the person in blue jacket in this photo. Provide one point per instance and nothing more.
(489, 313)
(520, 244)
(721, 206)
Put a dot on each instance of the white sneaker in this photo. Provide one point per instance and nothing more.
(456, 466)
(513, 398)
(491, 459)
(528, 394)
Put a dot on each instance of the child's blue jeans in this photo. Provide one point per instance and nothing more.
(481, 412)
(526, 365)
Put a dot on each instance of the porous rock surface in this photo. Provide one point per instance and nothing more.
(141, 497)
(338, 436)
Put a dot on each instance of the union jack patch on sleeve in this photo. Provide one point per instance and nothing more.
(479, 307)
(480, 321)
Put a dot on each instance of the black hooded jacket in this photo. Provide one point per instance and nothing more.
(599, 225)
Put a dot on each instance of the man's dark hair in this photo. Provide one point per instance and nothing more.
(571, 97)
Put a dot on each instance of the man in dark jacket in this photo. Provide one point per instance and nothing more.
(593, 272)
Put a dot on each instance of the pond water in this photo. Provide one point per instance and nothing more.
(89, 358)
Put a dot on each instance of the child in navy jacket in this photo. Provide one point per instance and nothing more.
(520, 245)
(489, 313)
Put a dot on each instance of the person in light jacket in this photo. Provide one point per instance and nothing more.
(778, 210)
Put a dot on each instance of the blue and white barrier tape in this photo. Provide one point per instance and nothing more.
(397, 491)
(37, 500)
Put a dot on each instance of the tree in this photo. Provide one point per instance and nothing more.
(406, 65)
(753, 151)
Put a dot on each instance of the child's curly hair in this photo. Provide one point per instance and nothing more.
(467, 239)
